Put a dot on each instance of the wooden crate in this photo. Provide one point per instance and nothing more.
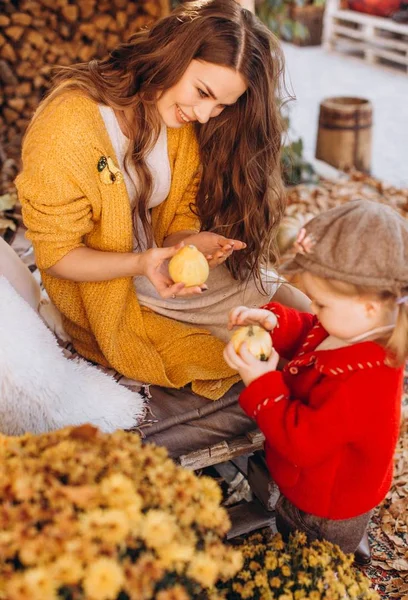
(375, 39)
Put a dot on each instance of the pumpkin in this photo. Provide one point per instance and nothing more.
(258, 341)
(189, 266)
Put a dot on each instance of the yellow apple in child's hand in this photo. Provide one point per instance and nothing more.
(257, 339)
(189, 266)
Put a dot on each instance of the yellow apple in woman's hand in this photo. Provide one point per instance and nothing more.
(189, 266)
(257, 339)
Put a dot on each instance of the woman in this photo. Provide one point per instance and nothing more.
(112, 184)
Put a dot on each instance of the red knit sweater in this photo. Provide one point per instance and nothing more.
(330, 418)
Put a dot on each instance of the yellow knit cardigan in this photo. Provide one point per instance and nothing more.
(66, 205)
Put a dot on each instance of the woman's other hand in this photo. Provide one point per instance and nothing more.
(248, 366)
(242, 315)
(216, 248)
(154, 266)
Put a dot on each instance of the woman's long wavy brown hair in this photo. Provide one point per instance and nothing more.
(241, 193)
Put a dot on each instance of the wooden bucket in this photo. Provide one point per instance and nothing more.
(344, 135)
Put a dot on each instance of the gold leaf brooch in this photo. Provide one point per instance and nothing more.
(108, 171)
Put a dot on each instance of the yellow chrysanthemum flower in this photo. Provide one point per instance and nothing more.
(134, 517)
(300, 595)
(211, 517)
(103, 580)
(173, 553)
(248, 590)
(17, 588)
(277, 542)
(231, 563)
(304, 579)
(111, 525)
(177, 592)
(261, 579)
(203, 569)
(119, 491)
(210, 490)
(271, 561)
(255, 565)
(30, 553)
(286, 571)
(40, 584)
(158, 526)
(67, 570)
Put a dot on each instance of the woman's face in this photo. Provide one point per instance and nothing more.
(202, 93)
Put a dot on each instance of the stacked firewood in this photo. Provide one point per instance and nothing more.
(36, 35)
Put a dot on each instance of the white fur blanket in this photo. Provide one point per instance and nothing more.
(41, 390)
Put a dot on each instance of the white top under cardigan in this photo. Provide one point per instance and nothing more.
(210, 309)
(157, 161)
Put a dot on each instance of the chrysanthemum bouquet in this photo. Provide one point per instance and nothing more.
(86, 515)
(297, 570)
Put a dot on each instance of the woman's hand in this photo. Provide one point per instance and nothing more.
(248, 366)
(242, 315)
(154, 266)
(216, 248)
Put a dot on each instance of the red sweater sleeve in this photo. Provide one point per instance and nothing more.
(292, 329)
(306, 435)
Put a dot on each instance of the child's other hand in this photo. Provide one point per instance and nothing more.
(242, 315)
(249, 367)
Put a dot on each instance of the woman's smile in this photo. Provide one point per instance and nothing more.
(182, 117)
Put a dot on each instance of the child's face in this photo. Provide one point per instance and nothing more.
(343, 316)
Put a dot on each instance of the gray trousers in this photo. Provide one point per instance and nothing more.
(346, 533)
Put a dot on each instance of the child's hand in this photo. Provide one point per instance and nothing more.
(249, 367)
(242, 315)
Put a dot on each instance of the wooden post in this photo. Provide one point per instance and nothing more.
(344, 134)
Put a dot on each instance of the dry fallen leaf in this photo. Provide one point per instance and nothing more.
(8, 201)
(7, 224)
(399, 564)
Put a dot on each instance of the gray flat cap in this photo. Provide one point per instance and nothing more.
(360, 242)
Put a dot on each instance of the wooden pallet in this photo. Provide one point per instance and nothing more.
(248, 517)
(222, 452)
(373, 38)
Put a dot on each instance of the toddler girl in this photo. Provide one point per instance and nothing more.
(331, 416)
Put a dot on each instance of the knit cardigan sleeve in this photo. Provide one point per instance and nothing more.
(58, 203)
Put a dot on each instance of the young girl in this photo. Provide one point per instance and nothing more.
(331, 416)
